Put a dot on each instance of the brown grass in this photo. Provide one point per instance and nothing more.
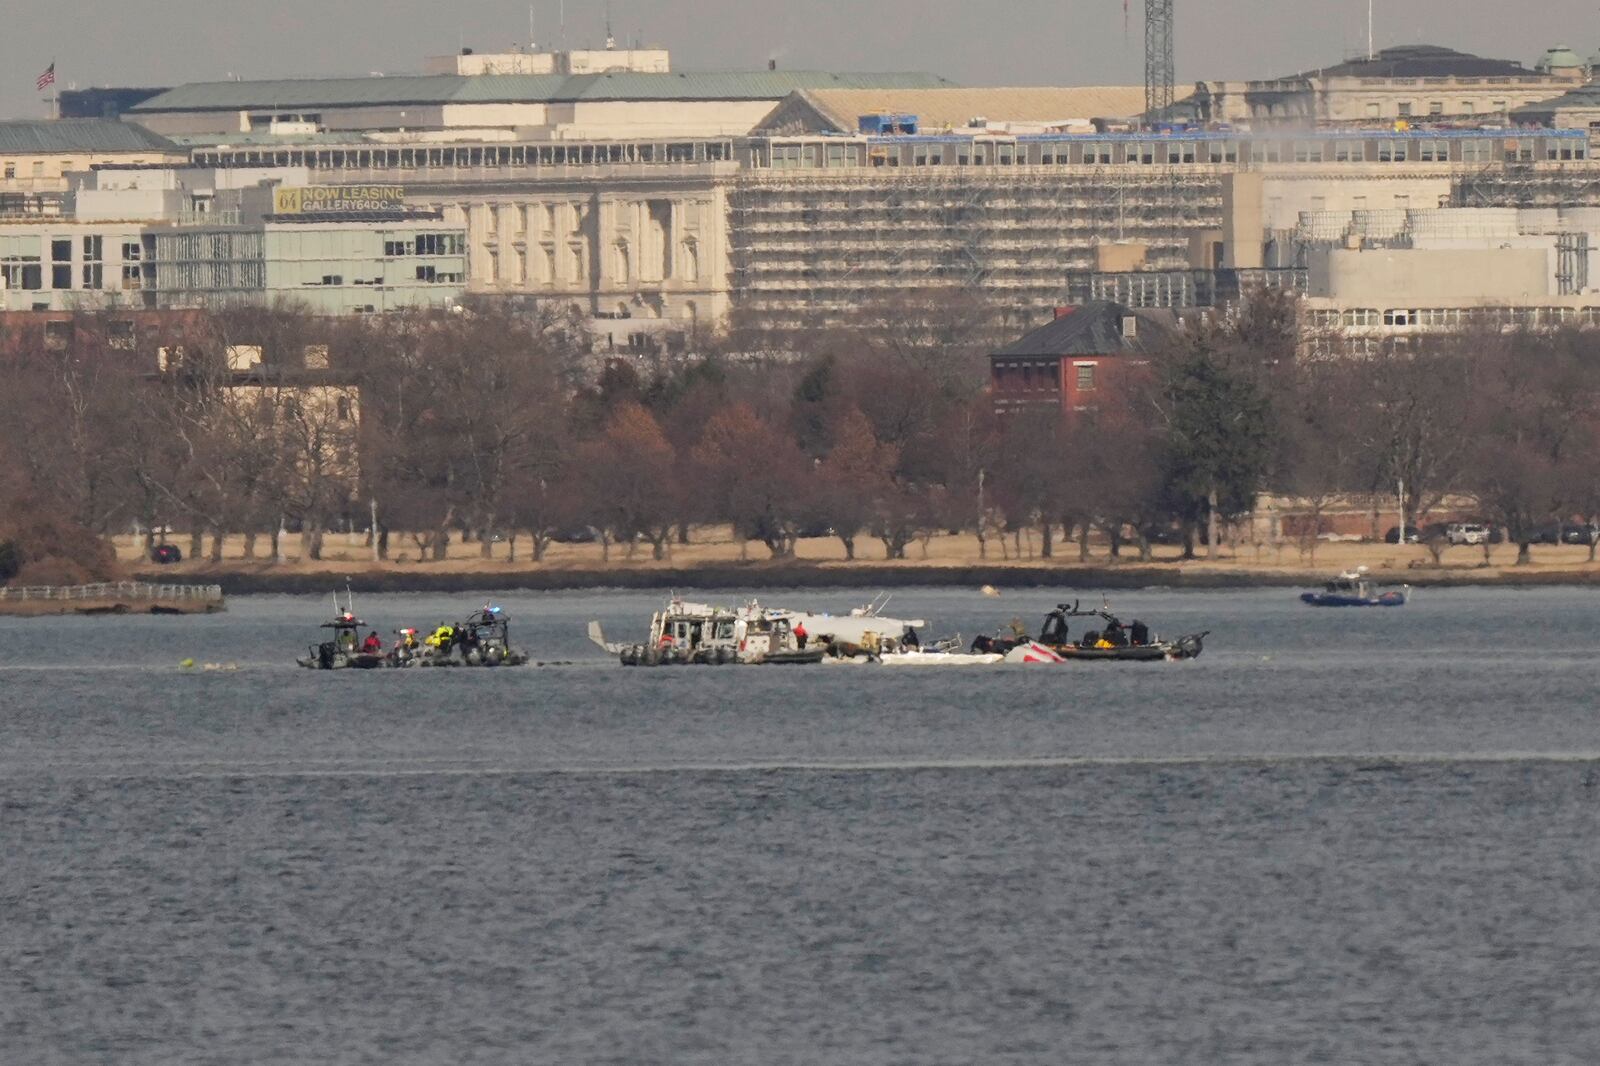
(344, 554)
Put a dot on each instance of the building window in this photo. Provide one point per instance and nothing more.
(93, 266)
(61, 264)
(1399, 317)
(1391, 151)
(1477, 150)
(1372, 111)
(1436, 107)
(786, 156)
(1361, 316)
(1404, 108)
(1499, 105)
(11, 171)
(1468, 107)
(1431, 151)
(120, 333)
(57, 334)
(1085, 374)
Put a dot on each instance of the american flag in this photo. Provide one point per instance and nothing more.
(47, 78)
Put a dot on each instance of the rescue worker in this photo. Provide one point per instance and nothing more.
(373, 645)
(443, 637)
(800, 635)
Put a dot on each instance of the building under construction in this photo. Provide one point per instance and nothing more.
(819, 226)
(632, 196)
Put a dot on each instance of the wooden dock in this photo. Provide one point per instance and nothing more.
(115, 597)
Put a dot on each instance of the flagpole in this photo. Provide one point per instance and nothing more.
(55, 86)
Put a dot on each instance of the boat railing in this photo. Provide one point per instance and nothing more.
(114, 590)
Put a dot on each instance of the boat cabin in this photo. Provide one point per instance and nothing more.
(688, 627)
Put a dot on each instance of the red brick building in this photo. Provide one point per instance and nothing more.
(1070, 360)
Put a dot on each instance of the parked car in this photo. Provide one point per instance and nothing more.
(1585, 534)
(1467, 533)
(166, 553)
(1163, 534)
(1555, 533)
(576, 535)
(1413, 535)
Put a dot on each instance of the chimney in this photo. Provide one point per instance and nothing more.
(772, 64)
(1063, 312)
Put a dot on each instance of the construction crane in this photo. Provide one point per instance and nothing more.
(1158, 65)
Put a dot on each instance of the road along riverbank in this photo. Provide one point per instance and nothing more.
(294, 579)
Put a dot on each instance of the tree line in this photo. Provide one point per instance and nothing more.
(503, 426)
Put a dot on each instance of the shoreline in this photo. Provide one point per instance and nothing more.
(267, 580)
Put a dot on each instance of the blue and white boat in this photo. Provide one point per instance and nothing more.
(1354, 589)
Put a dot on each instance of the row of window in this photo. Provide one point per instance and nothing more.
(1453, 317)
(429, 274)
(520, 155)
(426, 244)
(1041, 376)
(35, 169)
(1177, 152)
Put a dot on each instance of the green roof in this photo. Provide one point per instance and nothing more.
(79, 135)
(517, 88)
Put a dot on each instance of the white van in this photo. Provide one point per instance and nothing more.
(1466, 533)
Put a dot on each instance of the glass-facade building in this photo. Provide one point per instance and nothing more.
(330, 267)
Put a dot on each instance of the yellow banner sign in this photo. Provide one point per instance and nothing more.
(338, 199)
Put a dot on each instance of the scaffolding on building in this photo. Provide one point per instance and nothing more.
(807, 246)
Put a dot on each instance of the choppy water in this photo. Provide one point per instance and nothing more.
(1343, 837)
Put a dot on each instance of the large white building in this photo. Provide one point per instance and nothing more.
(1408, 83)
(163, 238)
(658, 200)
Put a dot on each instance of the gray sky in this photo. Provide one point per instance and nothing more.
(977, 42)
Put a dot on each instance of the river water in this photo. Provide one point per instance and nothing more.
(1339, 836)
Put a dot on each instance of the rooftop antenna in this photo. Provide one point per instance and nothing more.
(1370, 52)
(532, 40)
(611, 42)
(563, 15)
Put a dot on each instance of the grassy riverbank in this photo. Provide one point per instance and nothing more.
(714, 560)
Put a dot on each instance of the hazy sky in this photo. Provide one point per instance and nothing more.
(981, 42)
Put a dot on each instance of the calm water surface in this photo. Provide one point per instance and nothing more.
(1340, 836)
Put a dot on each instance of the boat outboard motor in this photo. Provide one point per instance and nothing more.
(1054, 630)
(1140, 633)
